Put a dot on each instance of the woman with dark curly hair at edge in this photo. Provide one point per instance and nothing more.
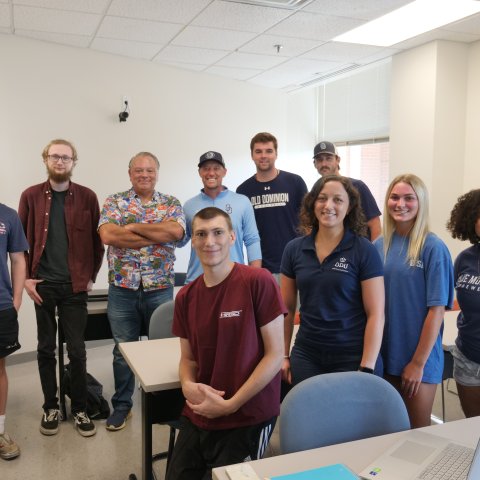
(339, 276)
(418, 288)
(464, 224)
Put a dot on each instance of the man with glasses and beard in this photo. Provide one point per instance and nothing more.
(60, 220)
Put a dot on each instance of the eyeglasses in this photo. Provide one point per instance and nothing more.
(55, 158)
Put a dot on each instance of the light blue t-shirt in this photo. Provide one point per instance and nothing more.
(409, 292)
(243, 219)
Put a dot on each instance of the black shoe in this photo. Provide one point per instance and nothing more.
(85, 427)
(49, 423)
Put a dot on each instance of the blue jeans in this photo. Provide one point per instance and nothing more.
(128, 311)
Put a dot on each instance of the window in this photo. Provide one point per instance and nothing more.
(367, 161)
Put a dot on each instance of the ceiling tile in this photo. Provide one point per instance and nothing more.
(185, 66)
(138, 30)
(141, 50)
(212, 38)
(251, 60)
(366, 9)
(5, 19)
(175, 11)
(293, 71)
(291, 47)
(240, 16)
(56, 21)
(235, 73)
(88, 6)
(468, 25)
(382, 54)
(436, 35)
(200, 56)
(61, 38)
(313, 26)
(337, 51)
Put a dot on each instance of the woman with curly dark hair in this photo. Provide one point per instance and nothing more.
(464, 224)
(339, 276)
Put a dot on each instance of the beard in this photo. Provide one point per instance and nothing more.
(58, 177)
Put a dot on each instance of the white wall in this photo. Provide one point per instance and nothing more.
(435, 101)
(49, 91)
(302, 117)
(472, 137)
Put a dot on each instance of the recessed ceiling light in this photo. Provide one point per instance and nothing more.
(409, 21)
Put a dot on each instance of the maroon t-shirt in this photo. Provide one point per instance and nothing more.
(222, 324)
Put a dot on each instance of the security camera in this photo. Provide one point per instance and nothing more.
(123, 115)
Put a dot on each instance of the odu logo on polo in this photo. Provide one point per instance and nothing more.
(341, 265)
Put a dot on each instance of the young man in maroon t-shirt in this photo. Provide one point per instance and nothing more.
(230, 324)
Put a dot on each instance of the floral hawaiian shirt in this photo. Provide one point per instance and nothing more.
(151, 266)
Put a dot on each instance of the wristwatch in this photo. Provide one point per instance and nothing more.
(365, 369)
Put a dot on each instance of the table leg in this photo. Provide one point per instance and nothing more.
(147, 406)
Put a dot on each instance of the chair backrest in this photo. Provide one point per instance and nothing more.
(161, 321)
(339, 407)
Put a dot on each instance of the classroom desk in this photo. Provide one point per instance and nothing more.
(356, 455)
(155, 364)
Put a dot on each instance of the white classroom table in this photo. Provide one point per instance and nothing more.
(358, 454)
(155, 364)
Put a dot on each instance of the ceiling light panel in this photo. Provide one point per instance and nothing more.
(409, 21)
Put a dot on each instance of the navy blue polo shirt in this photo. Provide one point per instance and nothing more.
(331, 305)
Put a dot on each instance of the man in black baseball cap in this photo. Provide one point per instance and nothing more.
(327, 162)
(211, 156)
(211, 168)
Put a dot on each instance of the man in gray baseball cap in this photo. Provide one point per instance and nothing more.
(327, 162)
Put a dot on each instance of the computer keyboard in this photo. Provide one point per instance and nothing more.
(452, 463)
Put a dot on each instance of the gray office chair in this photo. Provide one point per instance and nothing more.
(339, 407)
(168, 404)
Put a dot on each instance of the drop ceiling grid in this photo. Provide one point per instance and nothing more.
(220, 37)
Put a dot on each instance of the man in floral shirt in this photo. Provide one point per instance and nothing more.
(141, 227)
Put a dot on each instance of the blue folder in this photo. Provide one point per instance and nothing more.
(330, 472)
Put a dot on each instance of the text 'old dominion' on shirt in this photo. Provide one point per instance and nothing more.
(276, 205)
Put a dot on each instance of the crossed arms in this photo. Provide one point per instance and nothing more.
(138, 235)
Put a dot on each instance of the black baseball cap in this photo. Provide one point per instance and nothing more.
(213, 156)
(324, 147)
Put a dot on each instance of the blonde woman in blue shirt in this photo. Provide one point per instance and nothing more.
(418, 288)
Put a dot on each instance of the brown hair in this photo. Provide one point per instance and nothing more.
(211, 212)
(263, 137)
(354, 220)
(60, 141)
